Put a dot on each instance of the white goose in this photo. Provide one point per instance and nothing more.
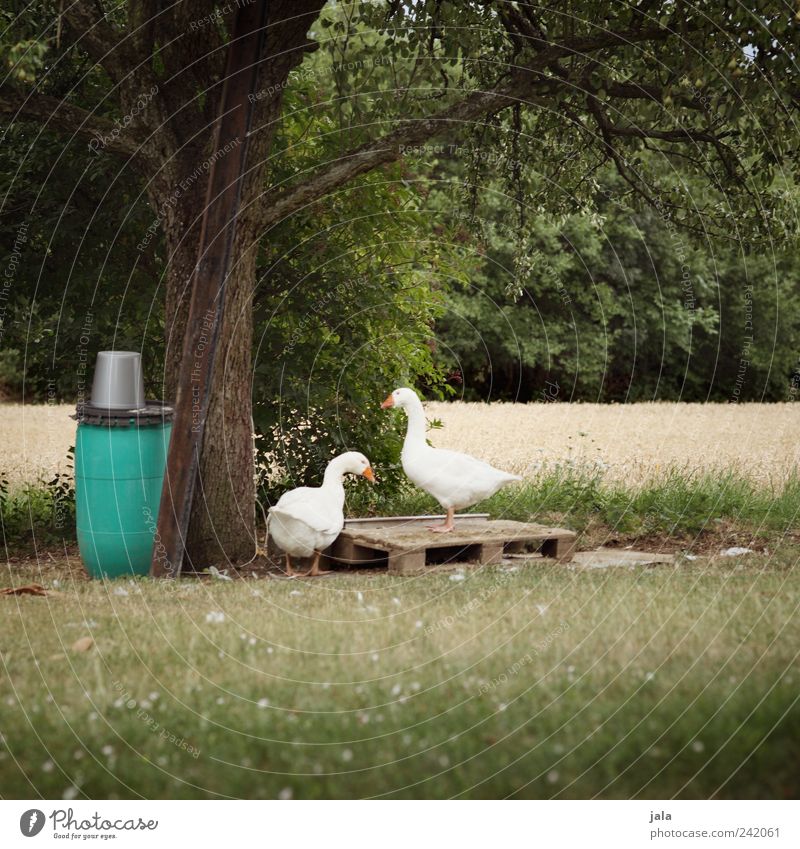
(455, 480)
(308, 519)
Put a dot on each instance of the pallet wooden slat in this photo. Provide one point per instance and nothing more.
(406, 546)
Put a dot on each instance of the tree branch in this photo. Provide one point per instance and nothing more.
(603, 126)
(666, 135)
(388, 148)
(584, 45)
(644, 91)
(48, 110)
(99, 38)
(523, 87)
(143, 15)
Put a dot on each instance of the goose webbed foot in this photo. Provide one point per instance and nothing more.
(290, 573)
(448, 525)
(315, 570)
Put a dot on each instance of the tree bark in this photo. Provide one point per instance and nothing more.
(222, 524)
(221, 528)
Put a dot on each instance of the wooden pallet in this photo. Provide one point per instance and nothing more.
(406, 546)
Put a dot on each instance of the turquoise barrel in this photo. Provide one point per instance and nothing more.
(120, 458)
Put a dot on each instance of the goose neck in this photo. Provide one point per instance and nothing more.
(334, 475)
(415, 430)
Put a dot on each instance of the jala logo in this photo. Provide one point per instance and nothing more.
(31, 822)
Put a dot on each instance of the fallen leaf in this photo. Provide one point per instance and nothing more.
(83, 644)
(29, 589)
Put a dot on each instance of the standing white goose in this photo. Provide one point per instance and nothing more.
(308, 519)
(455, 480)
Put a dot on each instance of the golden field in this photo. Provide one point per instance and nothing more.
(628, 442)
(34, 440)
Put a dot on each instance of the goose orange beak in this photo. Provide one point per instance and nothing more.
(389, 402)
(369, 474)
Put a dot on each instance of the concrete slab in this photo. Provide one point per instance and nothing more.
(609, 558)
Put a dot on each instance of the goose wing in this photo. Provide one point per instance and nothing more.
(308, 506)
(452, 478)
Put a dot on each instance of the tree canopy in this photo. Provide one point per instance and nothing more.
(431, 185)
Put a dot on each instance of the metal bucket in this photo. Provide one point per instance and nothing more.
(118, 381)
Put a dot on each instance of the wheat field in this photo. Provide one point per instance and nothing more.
(629, 443)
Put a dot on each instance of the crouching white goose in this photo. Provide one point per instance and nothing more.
(455, 480)
(308, 519)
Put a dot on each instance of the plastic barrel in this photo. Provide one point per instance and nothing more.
(119, 470)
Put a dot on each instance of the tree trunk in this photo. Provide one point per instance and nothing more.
(222, 523)
(181, 225)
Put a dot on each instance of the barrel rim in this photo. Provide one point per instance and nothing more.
(154, 412)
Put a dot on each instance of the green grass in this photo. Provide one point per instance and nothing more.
(539, 682)
(675, 503)
(43, 512)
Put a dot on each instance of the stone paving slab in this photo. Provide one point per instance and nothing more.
(609, 558)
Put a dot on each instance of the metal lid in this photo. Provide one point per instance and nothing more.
(153, 413)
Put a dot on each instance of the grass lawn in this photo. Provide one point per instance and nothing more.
(527, 680)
